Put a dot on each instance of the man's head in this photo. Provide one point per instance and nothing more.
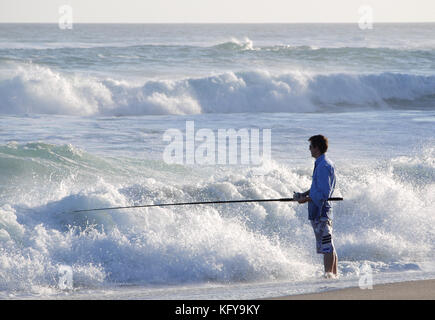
(318, 145)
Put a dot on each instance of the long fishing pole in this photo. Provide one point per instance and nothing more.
(195, 203)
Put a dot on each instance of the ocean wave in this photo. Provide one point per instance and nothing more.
(38, 89)
(385, 220)
(235, 44)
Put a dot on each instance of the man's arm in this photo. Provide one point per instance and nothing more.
(324, 186)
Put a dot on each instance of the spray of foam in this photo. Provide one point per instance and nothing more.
(235, 44)
(38, 89)
(386, 220)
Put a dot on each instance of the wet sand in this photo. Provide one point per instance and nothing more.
(410, 290)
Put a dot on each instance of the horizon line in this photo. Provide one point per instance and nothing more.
(217, 22)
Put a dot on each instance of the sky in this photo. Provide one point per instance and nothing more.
(212, 11)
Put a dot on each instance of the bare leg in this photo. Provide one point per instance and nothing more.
(330, 262)
(334, 269)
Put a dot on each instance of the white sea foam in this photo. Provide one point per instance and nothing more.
(384, 221)
(37, 89)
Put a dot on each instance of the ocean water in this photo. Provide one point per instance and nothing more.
(83, 114)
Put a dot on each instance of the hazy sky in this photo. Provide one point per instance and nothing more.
(217, 10)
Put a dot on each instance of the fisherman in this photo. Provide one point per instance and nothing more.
(319, 209)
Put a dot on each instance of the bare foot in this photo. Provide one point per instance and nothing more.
(330, 275)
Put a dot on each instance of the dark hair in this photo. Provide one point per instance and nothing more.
(320, 142)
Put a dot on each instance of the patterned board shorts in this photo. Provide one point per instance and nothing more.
(323, 232)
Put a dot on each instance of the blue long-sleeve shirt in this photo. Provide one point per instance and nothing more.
(322, 187)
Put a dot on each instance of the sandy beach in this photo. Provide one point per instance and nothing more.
(410, 290)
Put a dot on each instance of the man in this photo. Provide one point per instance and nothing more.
(319, 209)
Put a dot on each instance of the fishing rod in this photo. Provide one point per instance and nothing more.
(201, 202)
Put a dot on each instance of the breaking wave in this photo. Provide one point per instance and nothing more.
(386, 220)
(39, 89)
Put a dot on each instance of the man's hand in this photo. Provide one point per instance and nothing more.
(304, 199)
(301, 197)
(296, 195)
